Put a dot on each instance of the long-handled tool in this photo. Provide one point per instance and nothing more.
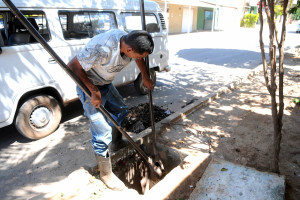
(156, 155)
(152, 165)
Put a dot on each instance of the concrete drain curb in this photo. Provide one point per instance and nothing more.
(162, 125)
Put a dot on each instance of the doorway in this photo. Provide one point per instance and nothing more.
(208, 18)
(187, 20)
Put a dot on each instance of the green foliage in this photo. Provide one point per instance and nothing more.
(296, 14)
(249, 20)
(295, 11)
(278, 10)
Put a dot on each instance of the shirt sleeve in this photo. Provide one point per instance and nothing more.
(91, 56)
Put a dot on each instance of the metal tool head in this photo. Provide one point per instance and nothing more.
(156, 167)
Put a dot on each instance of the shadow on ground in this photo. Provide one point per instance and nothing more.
(231, 58)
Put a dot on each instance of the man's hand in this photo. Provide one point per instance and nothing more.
(75, 66)
(96, 99)
(148, 82)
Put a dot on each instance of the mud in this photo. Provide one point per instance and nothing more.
(139, 119)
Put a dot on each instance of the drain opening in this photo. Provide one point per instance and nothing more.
(135, 172)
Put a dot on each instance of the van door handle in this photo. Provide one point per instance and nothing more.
(51, 61)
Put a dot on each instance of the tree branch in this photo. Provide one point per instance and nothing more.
(281, 58)
(262, 47)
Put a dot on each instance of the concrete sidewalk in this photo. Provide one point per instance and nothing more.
(82, 185)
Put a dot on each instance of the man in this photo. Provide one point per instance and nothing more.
(96, 66)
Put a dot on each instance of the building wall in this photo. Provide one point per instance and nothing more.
(227, 14)
(195, 16)
(175, 18)
(228, 18)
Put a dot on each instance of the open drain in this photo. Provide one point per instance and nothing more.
(132, 169)
(135, 172)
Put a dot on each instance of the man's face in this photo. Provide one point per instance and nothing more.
(135, 55)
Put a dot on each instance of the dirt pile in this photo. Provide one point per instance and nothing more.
(139, 119)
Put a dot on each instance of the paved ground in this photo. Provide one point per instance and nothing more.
(40, 165)
(200, 64)
(236, 127)
(203, 62)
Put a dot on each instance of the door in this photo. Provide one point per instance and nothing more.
(22, 64)
(187, 20)
(208, 18)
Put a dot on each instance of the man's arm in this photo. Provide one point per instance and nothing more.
(146, 79)
(75, 66)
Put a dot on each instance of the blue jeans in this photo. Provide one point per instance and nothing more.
(113, 102)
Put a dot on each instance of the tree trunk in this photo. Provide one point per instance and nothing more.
(271, 84)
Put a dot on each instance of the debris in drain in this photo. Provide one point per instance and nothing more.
(133, 171)
(138, 118)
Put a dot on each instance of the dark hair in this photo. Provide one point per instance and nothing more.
(140, 41)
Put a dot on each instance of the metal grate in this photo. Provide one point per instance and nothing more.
(162, 20)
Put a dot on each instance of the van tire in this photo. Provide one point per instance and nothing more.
(28, 121)
(139, 85)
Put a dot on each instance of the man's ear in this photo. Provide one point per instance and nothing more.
(129, 49)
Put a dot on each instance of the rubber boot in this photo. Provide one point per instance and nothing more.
(106, 174)
(117, 141)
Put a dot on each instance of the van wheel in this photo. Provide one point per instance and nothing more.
(139, 85)
(38, 117)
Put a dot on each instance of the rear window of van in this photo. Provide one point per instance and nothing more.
(132, 21)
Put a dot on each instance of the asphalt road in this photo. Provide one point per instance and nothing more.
(201, 63)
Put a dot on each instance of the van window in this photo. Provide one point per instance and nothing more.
(133, 21)
(1, 22)
(14, 33)
(3, 40)
(42, 24)
(79, 25)
(63, 21)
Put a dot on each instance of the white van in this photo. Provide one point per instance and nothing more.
(33, 87)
